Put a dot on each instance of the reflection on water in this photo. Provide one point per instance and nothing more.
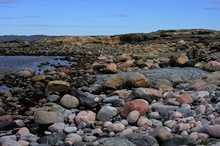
(4, 88)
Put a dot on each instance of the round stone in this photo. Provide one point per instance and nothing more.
(77, 137)
(70, 129)
(106, 113)
(116, 127)
(138, 80)
(85, 116)
(107, 123)
(133, 116)
(45, 117)
(144, 122)
(138, 104)
(69, 101)
(184, 98)
(214, 131)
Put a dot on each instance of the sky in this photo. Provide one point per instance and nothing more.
(105, 17)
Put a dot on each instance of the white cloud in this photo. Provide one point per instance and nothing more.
(216, 1)
(9, 1)
(214, 9)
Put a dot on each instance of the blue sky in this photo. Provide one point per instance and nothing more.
(105, 17)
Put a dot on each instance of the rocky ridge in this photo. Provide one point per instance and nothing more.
(155, 89)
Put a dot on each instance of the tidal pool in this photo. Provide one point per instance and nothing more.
(38, 63)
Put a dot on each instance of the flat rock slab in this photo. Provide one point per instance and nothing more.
(175, 73)
(171, 74)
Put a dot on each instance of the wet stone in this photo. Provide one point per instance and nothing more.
(53, 98)
(77, 137)
(29, 137)
(164, 109)
(121, 93)
(139, 139)
(117, 142)
(11, 143)
(57, 86)
(115, 82)
(144, 122)
(5, 125)
(213, 131)
(57, 127)
(159, 82)
(146, 94)
(2, 111)
(161, 133)
(106, 113)
(25, 74)
(178, 141)
(115, 101)
(84, 100)
(186, 112)
(52, 139)
(33, 127)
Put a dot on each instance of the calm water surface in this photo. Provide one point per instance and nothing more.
(17, 63)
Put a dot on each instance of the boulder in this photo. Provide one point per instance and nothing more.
(198, 84)
(124, 94)
(45, 117)
(137, 80)
(117, 142)
(57, 86)
(84, 100)
(212, 66)
(144, 122)
(141, 139)
(148, 94)
(115, 82)
(161, 133)
(214, 131)
(123, 58)
(139, 105)
(178, 142)
(125, 65)
(85, 116)
(111, 68)
(69, 101)
(184, 98)
(118, 127)
(133, 116)
(52, 139)
(106, 113)
(24, 74)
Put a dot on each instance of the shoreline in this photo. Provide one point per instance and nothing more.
(154, 92)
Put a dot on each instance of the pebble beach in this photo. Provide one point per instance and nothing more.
(156, 89)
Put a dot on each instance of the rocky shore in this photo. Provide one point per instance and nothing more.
(160, 88)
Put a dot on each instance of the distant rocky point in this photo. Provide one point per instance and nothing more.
(159, 36)
(30, 38)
